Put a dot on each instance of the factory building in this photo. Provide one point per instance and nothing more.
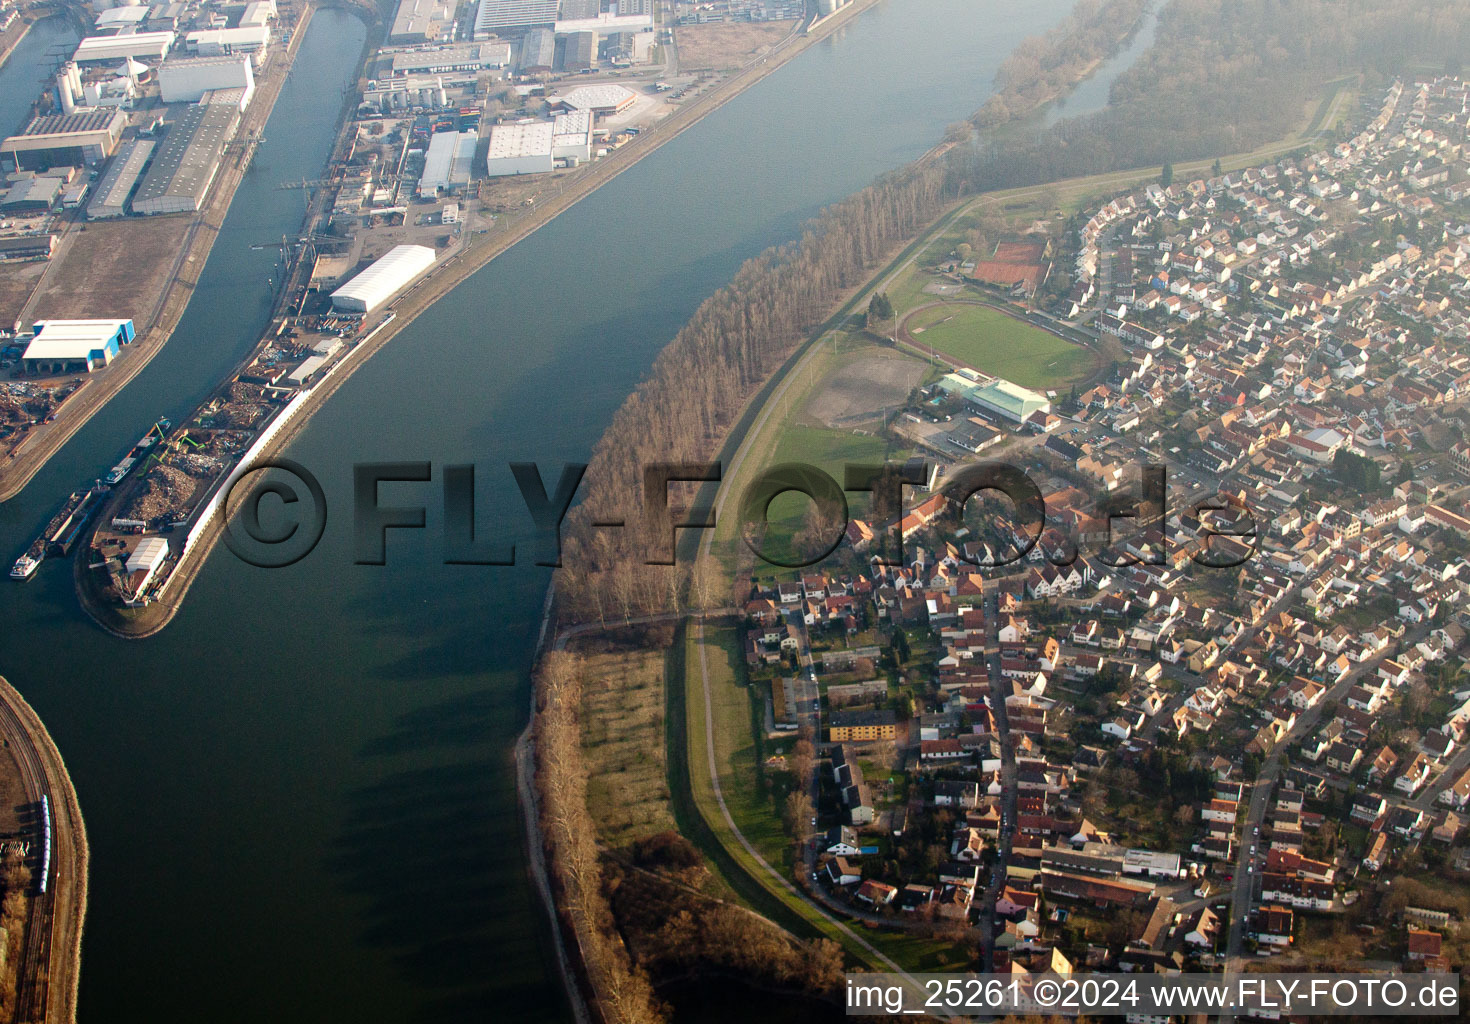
(53, 140)
(533, 147)
(257, 13)
(465, 57)
(597, 100)
(187, 79)
(449, 162)
(421, 21)
(580, 52)
(571, 136)
(239, 99)
(31, 195)
(389, 274)
(520, 149)
(538, 52)
(149, 47)
(496, 16)
(166, 17)
(217, 42)
(101, 87)
(121, 20)
(605, 23)
(185, 164)
(27, 247)
(142, 565)
(111, 197)
(74, 346)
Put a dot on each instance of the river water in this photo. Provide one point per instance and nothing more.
(299, 795)
(1092, 93)
(31, 65)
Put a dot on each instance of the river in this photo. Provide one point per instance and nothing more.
(299, 795)
(33, 62)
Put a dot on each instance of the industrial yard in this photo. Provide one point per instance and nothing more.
(151, 120)
(455, 147)
(114, 188)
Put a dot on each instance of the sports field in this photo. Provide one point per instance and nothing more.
(995, 343)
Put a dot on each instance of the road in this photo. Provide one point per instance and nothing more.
(998, 688)
(775, 874)
(1243, 889)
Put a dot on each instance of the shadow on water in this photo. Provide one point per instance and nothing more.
(433, 869)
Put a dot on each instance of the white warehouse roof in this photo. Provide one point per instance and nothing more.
(389, 273)
(508, 141)
(148, 555)
(598, 99)
(71, 339)
(138, 44)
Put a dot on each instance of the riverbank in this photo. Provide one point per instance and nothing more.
(444, 278)
(55, 933)
(14, 36)
(188, 264)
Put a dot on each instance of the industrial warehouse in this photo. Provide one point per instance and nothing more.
(391, 273)
(75, 346)
(449, 163)
(185, 163)
(110, 197)
(81, 138)
(455, 127)
(189, 79)
(535, 147)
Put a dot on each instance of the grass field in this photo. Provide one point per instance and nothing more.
(789, 435)
(622, 718)
(1001, 345)
(753, 795)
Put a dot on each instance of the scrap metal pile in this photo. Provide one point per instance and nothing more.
(165, 489)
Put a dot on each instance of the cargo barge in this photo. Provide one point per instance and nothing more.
(139, 452)
(61, 533)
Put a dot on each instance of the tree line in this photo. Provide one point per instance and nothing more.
(701, 381)
(621, 991)
(1046, 67)
(637, 927)
(1223, 76)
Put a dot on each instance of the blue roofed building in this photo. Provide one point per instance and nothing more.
(74, 346)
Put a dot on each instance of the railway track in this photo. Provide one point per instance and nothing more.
(33, 971)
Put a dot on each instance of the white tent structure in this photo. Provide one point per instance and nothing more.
(390, 273)
(142, 565)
